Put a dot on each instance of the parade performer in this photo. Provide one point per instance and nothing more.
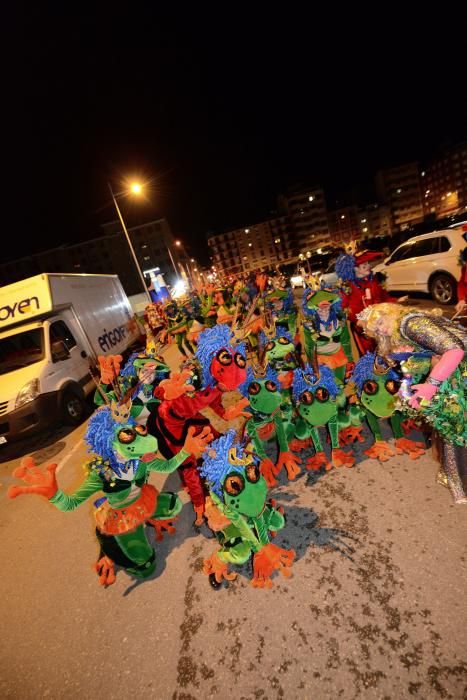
(222, 368)
(125, 455)
(241, 516)
(262, 389)
(325, 331)
(319, 398)
(359, 290)
(178, 327)
(281, 303)
(377, 385)
(441, 397)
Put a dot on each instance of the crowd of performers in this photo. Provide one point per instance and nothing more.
(303, 402)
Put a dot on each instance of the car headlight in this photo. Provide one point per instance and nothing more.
(28, 393)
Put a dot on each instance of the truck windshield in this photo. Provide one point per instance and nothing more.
(21, 350)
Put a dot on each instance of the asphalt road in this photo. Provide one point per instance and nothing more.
(376, 607)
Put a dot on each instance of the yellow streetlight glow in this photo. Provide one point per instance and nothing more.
(136, 188)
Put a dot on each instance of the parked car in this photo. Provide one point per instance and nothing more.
(427, 263)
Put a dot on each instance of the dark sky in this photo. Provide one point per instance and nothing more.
(219, 112)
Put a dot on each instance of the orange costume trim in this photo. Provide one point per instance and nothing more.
(337, 359)
(117, 521)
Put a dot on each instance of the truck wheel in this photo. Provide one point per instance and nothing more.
(72, 407)
(443, 289)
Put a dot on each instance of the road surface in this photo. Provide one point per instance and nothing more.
(376, 606)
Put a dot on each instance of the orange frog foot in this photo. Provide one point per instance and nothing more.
(409, 447)
(269, 559)
(215, 566)
(104, 568)
(350, 435)
(162, 526)
(317, 461)
(291, 463)
(380, 450)
(297, 445)
(342, 459)
(268, 470)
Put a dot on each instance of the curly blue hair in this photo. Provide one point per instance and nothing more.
(345, 268)
(280, 333)
(326, 380)
(216, 465)
(250, 377)
(210, 341)
(364, 370)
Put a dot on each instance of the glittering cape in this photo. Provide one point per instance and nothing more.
(433, 333)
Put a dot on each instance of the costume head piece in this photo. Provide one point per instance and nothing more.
(307, 379)
(224, 456)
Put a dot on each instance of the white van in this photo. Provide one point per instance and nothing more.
(52, 328)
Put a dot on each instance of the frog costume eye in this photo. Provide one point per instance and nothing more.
(392, 387)
(224, 357)
(271, 386)
(307, 398)
(321, 394)
(284, 341)
(270, 345)
(240, 361)
(234, 484)
(254, 388)
(252, 473)
(370, 387)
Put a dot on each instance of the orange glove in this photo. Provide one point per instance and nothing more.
(215, 566)
(291, 463)
(268, 470)
(41, 483)
(269, 559)
(196, 445)
(109, 367)
(176, 385)
(235, 411)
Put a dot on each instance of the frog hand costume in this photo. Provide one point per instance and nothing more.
(262, 390)
(125, 456)
(241, 516)
(318, 398)
(377, 387)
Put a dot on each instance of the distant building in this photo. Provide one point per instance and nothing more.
(258, 246)
(307, 212)
(108, 254)
(400, 189)
(444, 182)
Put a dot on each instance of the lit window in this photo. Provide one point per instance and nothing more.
(399, 190)
(247, 230)
(342, 216)
(363, 221)
(310, 198)
(365, 229)
(249, 245)
(277, 240)
(423, 173)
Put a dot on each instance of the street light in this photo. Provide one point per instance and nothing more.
(136, 189)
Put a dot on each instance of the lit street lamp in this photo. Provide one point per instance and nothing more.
(136, 189)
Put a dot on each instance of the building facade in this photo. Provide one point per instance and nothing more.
(444, 182)
(400, 189)
(152, 242)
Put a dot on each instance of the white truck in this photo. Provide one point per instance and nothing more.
(52, 329)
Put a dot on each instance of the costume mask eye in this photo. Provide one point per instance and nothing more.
(392, 387)
(307, 398)
(284, 341)
(254, 388)
(270, 346)
(252, 473)
(234, 484)
(370, 387)
(321, 394)
(126, 436)
(240, 361)
(224, 357)
(271, 386)
(141, 429)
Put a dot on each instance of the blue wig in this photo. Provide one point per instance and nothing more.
(210, 341)
(326, 380)
(101, 433)
(313, 315)
(271, 375)
(216, 467)
(129, 369)
(345, 268)
(364, 370)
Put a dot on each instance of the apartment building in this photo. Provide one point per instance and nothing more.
(444, 182)
(400, 189)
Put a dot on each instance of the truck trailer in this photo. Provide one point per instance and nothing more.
(53, 327)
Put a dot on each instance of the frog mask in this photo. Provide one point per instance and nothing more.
(316, 396)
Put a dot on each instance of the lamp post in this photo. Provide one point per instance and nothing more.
(136, 189)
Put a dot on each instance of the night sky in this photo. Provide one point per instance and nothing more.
(219, 112)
